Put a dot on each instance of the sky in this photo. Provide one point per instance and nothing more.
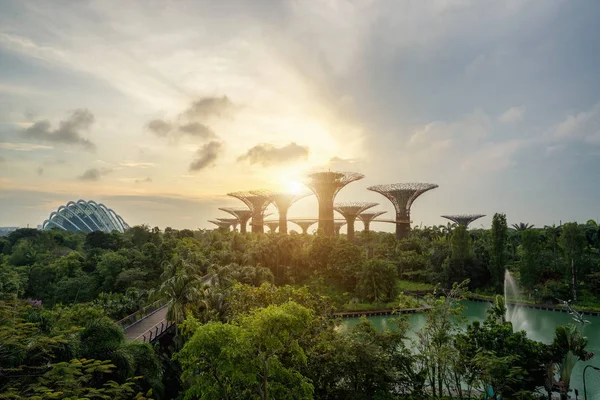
(159, 109)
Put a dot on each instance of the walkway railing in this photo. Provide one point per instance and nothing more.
(154, 332)
(139, 315)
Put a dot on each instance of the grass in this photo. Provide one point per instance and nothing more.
(413, 286)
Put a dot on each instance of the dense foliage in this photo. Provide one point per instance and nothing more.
(254, 312)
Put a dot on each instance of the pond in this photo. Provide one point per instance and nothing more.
(540, 326)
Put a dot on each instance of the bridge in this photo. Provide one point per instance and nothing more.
(147, 324)
(150, 323)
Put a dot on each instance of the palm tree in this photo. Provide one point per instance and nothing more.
(522, 226)
(552, 234)
(592, 233)
(569, 347)
(181, 288)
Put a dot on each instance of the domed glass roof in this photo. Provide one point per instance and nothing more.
(86, 216)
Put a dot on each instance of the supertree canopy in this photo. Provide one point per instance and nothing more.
(402, 195)
(337, 225)
(242, 214)
(85, 216)
(233, 222)
(256, 201)
(283, 201)
(367, 217)
(463, 219)
(224, 226)
(326, 186)
(273, 225)
(304, 223)
(350, 211)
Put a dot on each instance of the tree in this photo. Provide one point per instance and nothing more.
(498, 250)
(572, 242)
(258, 355)
(531, 252)
(568, 348)
(181, 287)
(552, 234)
(522, 226)
(345, 263)
(377, 281)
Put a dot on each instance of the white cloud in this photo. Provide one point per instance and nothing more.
(512, 115)
(23, 146)
(493, 156)
(133, 164)
(582, 126)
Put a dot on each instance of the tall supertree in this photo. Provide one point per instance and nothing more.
(273, 225)
(463, 219)
(326, 186)
(337, 225)
(233, 222)
(223, 226)
(402, 195)
(304, 223)
(367, 217)
(242, 214)
(257, 202)
(283, 201)
(350, 211)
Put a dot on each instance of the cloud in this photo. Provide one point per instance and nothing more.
(68, 131)
(583, 126)
(513, 114)
(208, 107)
(23, 146)
(193, 121)
(267, 154)
(197, 129)
(40, 171)
(159, 127)
(493, 156)
(133, 164)
(147, 180)
(2, 160)
(94, 174)
(206, 156)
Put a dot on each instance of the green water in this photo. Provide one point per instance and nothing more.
(540, 326)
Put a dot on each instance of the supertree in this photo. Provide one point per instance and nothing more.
(223, 226)
(232, 221)
(242, 214)
(402, 195)
(337, 225)
(367, 217)
(257, 202)
(350, 211)
(463, 219)
(304, 223)
(283, 201)
(272, 225)
(326, 185)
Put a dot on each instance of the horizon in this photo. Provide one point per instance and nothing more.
(159, 110)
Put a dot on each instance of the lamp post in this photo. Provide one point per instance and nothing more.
(584, 388)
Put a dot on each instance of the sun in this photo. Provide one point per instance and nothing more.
(293, 186)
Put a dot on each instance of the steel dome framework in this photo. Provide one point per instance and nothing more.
(350, 211)
(85, 216)
(257, 201)
(326, 185)
(463, 219)
(242, 214)
(304, 224)
(367, 217)
(402, 195)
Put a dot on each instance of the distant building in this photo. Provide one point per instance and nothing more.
(5, 230)
(85, 216)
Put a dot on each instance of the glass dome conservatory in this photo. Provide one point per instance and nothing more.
(86, 216)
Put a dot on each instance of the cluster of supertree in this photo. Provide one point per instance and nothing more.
(325, 186)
